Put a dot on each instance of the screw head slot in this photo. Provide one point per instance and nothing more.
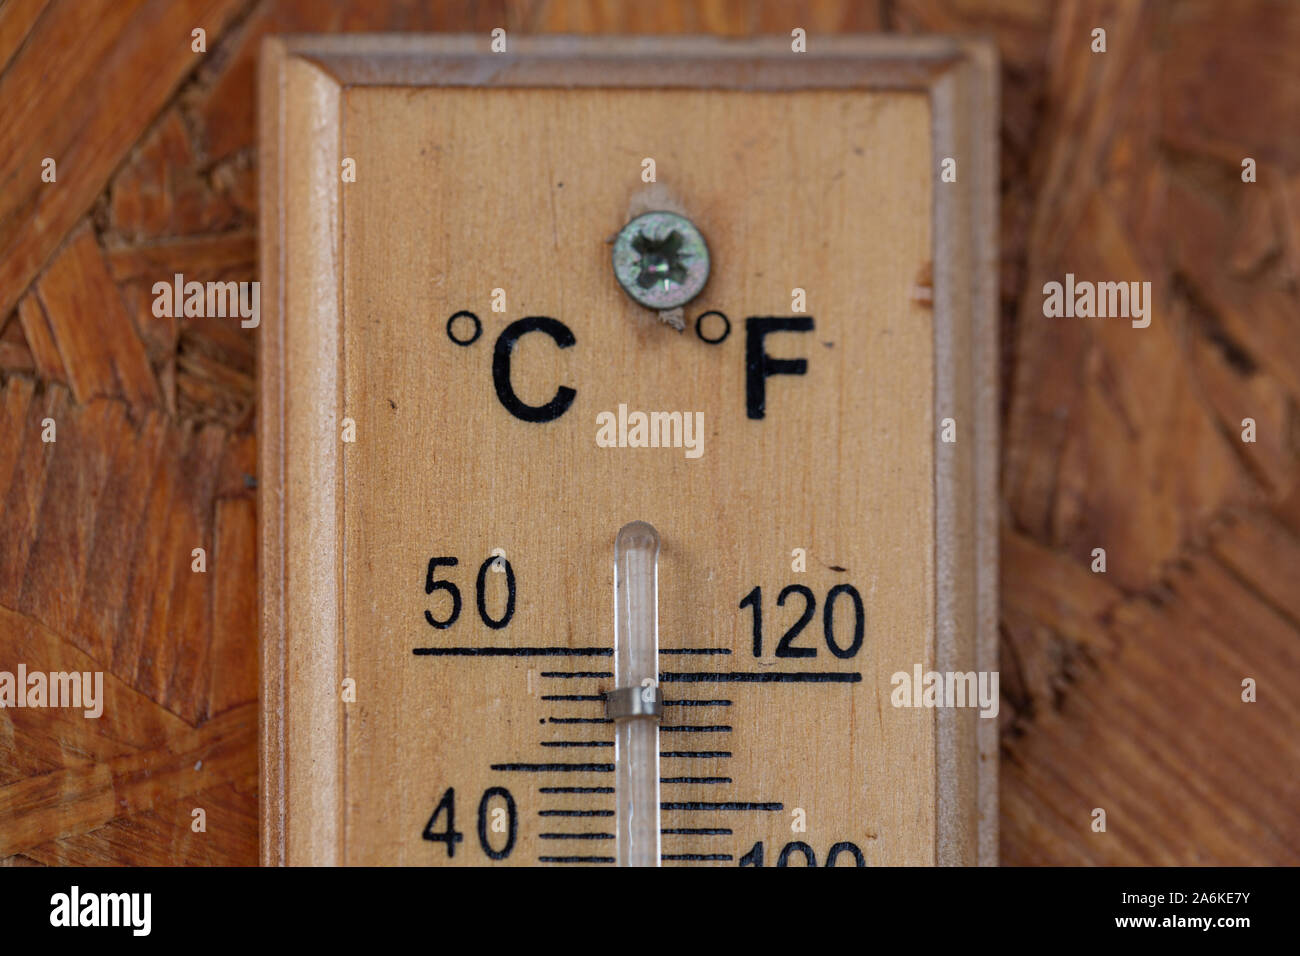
(661, 260)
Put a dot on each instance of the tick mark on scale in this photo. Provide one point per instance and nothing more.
(577, 673)
(576, 836)
(513, 651)
(695, 753)
(577, 743)
(761, 677)
(773, 807)
(696, 729)
(575, 859)
(554, 767)
(688, 702)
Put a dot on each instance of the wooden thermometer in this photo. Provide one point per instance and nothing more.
(627, 451)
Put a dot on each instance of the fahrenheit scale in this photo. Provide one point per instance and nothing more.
(563, 568)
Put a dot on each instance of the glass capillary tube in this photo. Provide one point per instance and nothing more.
(636, 664)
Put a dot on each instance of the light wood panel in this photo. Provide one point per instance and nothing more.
(824, 184)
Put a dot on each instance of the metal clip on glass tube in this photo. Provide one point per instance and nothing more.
(636, 703)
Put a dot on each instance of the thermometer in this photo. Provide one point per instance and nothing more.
(635, 705)
(627, 453)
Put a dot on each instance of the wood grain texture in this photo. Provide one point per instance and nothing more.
(1126, 162)
(78, 89)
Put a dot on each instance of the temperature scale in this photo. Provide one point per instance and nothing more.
(627, 430)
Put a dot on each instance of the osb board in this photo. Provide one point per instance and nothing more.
(462, 190)
(1137, 149)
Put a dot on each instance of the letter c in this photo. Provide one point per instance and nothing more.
(512, 333)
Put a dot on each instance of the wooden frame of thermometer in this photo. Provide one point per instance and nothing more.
(443, 342)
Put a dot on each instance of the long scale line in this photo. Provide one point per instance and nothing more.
(695, 650)
(577, 743)
(721, 806)
(580, 720)
(695, 753)
(577, 673)
(558, 767)
(689, 702)
(695, 780)
(575, 789)
(760, 677)
(696, 729)
(575, 859)
(575, 813)
(573, 697)
(697, 831)
(723, 857)
(513, 651)
(579, 836)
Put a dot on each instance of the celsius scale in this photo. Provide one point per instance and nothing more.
(628, 426)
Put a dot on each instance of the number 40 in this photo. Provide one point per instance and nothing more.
(451, 836)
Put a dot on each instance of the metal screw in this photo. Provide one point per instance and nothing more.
(661, 260)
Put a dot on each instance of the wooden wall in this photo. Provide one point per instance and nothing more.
(1120, 691)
